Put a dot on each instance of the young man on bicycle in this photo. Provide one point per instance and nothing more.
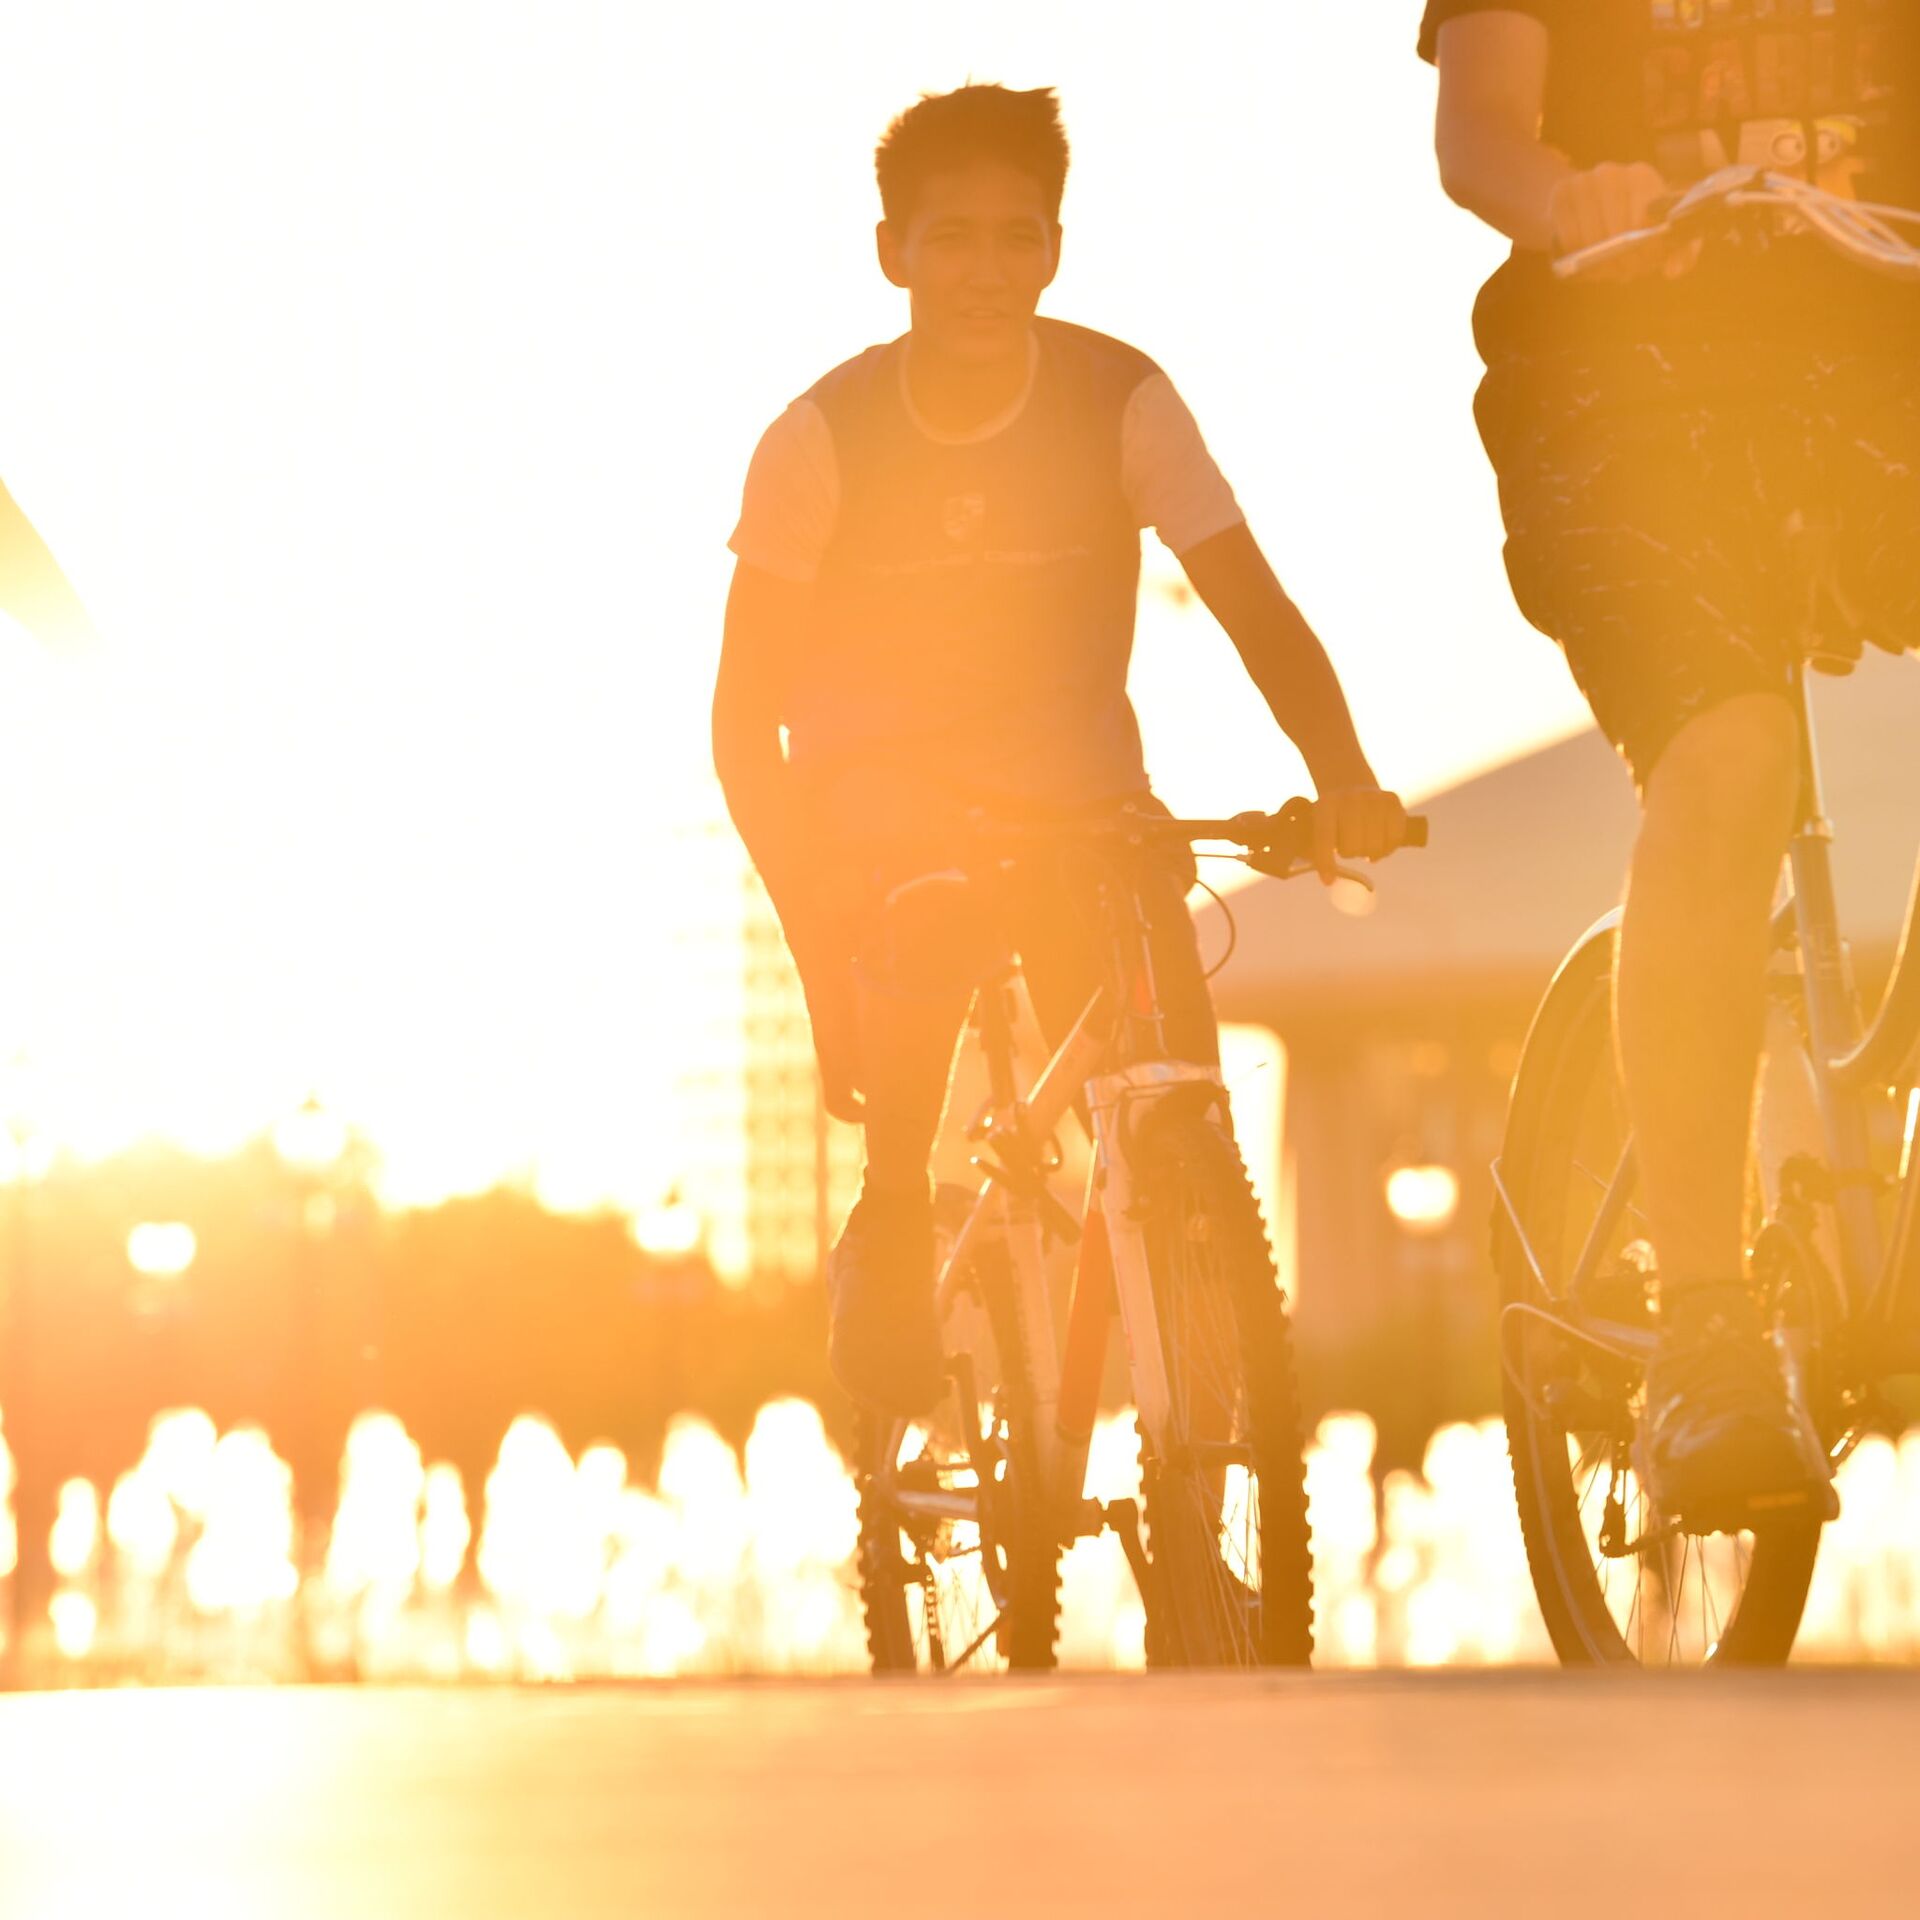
(1656, 434)
(932, 613)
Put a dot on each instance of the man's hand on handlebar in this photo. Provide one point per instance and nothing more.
(1356, 823)
(1590, 208)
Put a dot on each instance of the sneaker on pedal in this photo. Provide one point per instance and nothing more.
(884, 1343)
(1721, 1444)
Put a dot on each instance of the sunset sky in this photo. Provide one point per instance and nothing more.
(384, 375)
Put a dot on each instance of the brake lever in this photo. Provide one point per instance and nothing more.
(1277, 868)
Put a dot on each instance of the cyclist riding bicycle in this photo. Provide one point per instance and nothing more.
(932, 613)
(1677, 439)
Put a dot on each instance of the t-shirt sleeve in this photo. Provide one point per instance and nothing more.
(1171, 482)
(792, 496)
(1439, 12)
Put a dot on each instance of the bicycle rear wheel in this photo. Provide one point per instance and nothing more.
(959, 1566)
(1230, 1557)
(1617, 1586)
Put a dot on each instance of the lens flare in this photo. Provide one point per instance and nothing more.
(76, 1621)
(243, 1560)
(729, 1563)
(76, 1529)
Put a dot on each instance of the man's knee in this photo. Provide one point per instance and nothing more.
(1731, 775)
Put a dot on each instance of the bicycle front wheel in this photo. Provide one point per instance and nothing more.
(1617, 1585)
(959, 1564)
(1230, 1560)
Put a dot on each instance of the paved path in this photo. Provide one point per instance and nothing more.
(1412, 1796)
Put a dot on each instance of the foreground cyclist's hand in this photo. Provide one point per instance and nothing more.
(1356, 823)
(1606, 201)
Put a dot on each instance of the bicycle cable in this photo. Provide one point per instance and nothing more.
(1219, 899)
(1863, 231)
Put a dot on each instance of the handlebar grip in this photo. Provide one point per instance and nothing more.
(1416, 830)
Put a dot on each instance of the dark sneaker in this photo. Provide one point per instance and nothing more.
(884, 1346)
(1721, 1444)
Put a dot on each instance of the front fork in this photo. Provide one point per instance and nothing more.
(1122, 1104)
(1111, 1268)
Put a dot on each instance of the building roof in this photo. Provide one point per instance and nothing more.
(1524, 858)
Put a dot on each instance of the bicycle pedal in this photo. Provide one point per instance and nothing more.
(1754, 1512)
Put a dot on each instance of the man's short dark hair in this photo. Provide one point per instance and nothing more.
(944, 132)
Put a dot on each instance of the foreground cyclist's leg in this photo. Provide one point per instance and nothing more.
(1718, 1430)
(1644, 497)
(1690, 991)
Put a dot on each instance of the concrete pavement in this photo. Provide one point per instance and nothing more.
(1477, 1794)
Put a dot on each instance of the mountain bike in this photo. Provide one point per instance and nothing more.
(1833, 1207)
(964, 1516)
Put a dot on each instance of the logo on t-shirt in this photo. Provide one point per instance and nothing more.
(1767, 83)
(962, 516)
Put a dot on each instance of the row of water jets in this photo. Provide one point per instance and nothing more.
(731, 1563)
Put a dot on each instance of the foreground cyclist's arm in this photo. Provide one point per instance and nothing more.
(33, 590)
(1288, 664)
(1493, 87)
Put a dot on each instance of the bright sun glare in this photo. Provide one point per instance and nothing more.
(385, 377)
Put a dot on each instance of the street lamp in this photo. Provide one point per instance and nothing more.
(1423, 1199)
(162, 1249)
(310, 1139)
(670, 1229)
(311, 1142)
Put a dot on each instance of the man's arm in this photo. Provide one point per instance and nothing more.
(1286, 661)
(765, 616)
(766, 624)
(33, 590)
(1493, 161)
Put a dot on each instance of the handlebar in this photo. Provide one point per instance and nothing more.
(1864, 233)
(1273, 843)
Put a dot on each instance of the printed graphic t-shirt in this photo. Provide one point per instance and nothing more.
(1826, 90)
(973, 607)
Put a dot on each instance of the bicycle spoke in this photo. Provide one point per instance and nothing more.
(1604, 1182)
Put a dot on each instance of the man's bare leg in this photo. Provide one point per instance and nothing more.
(1691, 976)
(906, 1054)
(1719, 1440)
(885, 1339)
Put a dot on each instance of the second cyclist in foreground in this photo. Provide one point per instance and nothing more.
(938, 563)
(1673, 436)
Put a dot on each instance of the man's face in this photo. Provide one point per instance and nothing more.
(976, 254)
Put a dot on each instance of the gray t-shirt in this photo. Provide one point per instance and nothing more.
(974, 598)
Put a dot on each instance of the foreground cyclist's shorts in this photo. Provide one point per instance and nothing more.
(1646, 491)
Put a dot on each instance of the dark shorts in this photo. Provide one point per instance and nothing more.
(1648, 494)
(1049, 910)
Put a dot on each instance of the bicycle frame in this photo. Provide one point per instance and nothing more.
(1112, 1060)
(1851, 1074)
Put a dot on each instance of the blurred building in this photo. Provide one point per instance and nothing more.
(1403, 1013)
